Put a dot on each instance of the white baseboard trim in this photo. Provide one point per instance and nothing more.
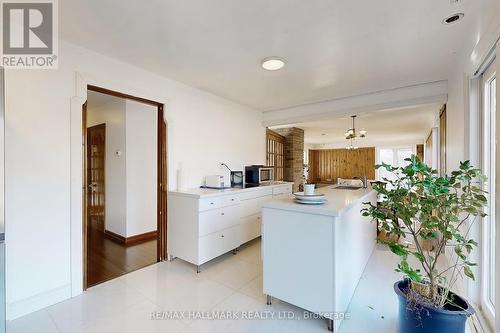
(31, 304)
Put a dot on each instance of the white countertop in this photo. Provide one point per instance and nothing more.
(208, 192)
(338, 200)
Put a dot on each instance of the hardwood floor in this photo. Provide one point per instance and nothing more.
(108, 259)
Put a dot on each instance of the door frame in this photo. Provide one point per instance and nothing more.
(162, 172)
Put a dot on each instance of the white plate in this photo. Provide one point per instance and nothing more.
(301, 195)
(310, 199)
(310, 202)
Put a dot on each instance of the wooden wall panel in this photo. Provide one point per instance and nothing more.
(330, 164)
(420, 152)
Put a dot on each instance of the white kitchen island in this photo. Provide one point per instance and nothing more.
(314, 256)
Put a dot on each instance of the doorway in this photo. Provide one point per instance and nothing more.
(124, 196)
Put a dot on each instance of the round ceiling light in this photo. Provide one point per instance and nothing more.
(273, 63)
(453, 18)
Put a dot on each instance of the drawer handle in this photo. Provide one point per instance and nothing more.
(221, 213)
(211, 203)
(222, 236)
(258, 218)
(232, 199)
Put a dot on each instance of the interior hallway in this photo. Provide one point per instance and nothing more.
(108, 259)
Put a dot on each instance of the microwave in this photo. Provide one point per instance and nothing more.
(259, 174)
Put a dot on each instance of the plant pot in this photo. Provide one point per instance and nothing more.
(422, 318)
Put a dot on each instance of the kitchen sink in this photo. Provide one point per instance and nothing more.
(346, 187)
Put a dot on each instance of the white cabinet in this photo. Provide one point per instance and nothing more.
(217, 243)
(282, 190)
(250, 227)
(203, 226)
(218, 219)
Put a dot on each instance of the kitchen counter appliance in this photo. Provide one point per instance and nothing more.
(259, 174)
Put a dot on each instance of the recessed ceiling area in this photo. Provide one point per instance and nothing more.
(333, 49)
(384, 128)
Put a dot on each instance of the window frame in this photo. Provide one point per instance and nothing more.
(395, 150)
(488, 160)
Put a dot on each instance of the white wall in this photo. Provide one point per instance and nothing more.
(141, 132)
(203, 130)
(113, 115)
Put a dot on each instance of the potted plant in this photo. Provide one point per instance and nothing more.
(433, 213)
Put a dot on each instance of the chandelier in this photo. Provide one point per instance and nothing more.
(351, 134)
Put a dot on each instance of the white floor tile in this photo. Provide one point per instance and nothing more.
(98, 302)
(201, 295)
(135, 319)
(36, 322)
(254, 289)
(236, 275)
(230, 283)
(374, 305)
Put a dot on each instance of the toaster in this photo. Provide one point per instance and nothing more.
(215, 181)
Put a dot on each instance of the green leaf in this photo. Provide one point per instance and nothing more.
(398, 249)
(419, 256)
(468, 272)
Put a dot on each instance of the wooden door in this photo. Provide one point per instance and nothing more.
(96, 141)
(275, 153)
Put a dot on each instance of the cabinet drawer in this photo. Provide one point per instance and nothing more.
(218, 243)
(252, 206)
(217, 219)
(256, 193)
(217, 202)
(250, 228)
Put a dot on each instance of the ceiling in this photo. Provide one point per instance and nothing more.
(411, 125)
(332, 48)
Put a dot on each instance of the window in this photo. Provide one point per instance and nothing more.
(275, 154)
(488, 87)
(385, 156)
(403, 154)
(393, 156)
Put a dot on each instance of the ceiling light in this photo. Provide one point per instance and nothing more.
(273, 63)
(453, 18)
(351, 132)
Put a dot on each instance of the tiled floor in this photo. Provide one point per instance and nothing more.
(229, 283)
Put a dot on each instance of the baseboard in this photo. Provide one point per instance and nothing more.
(115, 237)
(132, 240)
(37, 302)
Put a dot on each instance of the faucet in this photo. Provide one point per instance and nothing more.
(364, 179)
